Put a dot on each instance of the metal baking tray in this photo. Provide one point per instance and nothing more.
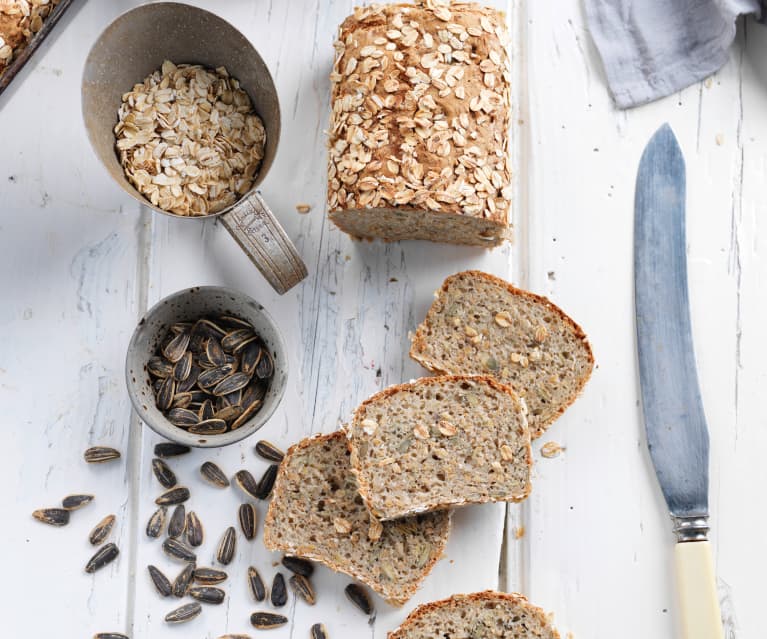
(7, 76)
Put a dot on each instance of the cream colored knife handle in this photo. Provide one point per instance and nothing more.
(699, 604)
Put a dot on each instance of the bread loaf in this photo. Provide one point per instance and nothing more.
(482, 615)
(480, 324)
(419, 144)
(439, 442)
(316, 513)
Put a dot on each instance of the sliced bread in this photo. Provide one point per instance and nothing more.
(480, 324)
(317, 513)
(438, 442)
(485, 615)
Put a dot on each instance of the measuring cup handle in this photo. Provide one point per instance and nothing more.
(264, 241)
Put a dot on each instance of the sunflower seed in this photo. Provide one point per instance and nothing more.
(170, 449)
(256, 584)
(279, 595)
(160, 581)
(303, 588)
(105, 555)
(183, 367)
(265, 366)
(250, 355)
(156, 522)
(110, 635)
(214, 352)
(163, 473)
(206, 410)
(298, 566)
(52, 516)
(183, 416)
(167, 390)
(232, 322)
(214, 376)
(238, 337)
(359, 597)
(245, 415)
(318, 631)
(229, 413)
(181, 399)
(209, 576)
(207, 594)
(101, 454)
(247, 516)
(213, 474)
(73, 502)
(194, 531)
(175, 349)
(210, 329)
(266, 483)
(231, 384)
(267, 620)
(247, 483)
(187, 612)
(181, 327)
(176, 495)
(102, 530)
(269, 451)
(209, 427)
(159, 367)
(227, 546)
(182, 581)
(177, 522)
(253, 393)
(231, 399)
(174, 548)
(191, 380)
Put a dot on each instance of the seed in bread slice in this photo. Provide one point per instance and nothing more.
(479, 324)
(489, 615)
(439, 442)
(316, 513)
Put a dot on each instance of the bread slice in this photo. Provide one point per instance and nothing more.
(316, 513)
(485, 615)
(439, 442)
(481, 324)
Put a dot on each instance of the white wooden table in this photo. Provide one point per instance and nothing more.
(80, 262)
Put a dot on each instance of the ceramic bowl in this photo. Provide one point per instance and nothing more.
(188, 305)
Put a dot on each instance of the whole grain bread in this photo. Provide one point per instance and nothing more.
(438, 442)
(419, 143)
(481, 324)
(317, 513)
(485, 615)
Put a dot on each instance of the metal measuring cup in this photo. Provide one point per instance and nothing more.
(135, 45)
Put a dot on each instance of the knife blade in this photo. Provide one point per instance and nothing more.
(675, 424)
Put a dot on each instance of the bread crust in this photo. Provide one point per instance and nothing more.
(309, 552)
(478, 597)
(420, 339)
(364, 488)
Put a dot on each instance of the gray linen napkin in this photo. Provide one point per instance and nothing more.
(652, 48)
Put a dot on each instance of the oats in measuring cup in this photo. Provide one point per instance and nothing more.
(189, 139)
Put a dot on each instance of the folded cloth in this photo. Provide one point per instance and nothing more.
(652, 48)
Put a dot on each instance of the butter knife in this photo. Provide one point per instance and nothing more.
(677, 434)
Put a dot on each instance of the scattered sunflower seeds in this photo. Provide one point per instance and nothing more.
(174, 496)
(101, 455)
(227, 546)
(207, 594)
(269, 451)
(182, 581)
(279, 595)
(194, 531)
(105, 555)
(73, 502)
(266, 483)
(160, 581)
(247, 483)
(163, 473)
(209, 576)
(156, 522)
(177, 522)
(52, 516)
(247, 516)
(267, 620)
(177, 550)
(298, 566)
(303, 588)
(359, 597)
(187, 612)
(256, 584)
(318, 631)
(214, 475)
(170, 449)
(102, 530)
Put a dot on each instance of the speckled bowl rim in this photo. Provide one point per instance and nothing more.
(158, 423)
